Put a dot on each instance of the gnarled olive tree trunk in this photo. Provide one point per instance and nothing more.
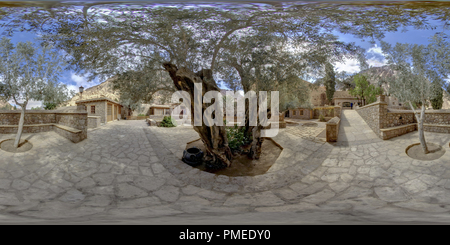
(214, 137)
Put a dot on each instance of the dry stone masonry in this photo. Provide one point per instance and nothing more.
(69, 124)
(388, 123)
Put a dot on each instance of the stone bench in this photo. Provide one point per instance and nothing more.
(437, 128)
(73, 134)
(392, 132)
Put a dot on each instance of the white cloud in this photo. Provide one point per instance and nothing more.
(80, 81)
(31, 103)
(375, 50)
(348, 65)
(77, 79)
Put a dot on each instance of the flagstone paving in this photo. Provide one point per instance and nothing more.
(127, 172)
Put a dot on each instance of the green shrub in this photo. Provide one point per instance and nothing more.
(167, 122)
(141, 115)
(50, 105)
(321, 118)
(236, 137)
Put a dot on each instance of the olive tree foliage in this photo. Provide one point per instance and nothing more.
(268, 46)
(29, 72)
(418, 69)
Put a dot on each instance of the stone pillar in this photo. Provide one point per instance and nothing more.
(332, 129)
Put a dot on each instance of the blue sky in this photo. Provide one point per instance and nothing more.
(373, 52)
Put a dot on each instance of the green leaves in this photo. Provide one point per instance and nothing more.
(167, 122)
(28, 71)
(236, 137)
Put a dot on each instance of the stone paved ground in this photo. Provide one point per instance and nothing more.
(129, 173)
(307, 132)
(353, 129)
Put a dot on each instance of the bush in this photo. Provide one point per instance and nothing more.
(236, 137)
(167, 122)
(321, 118)
(49, 105)
(141, 115)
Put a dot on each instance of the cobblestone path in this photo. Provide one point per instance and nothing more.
(127, 172)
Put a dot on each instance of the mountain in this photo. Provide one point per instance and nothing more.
(104, 89)
(4, 105)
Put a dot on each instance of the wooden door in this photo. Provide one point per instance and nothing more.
(110, 113)
(115, 112)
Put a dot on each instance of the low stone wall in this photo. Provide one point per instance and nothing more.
(332, 129)
(94, 121)
(388, 123)
(27, 129)
(437, 117)
(398, 118)
(325, 111)
(31, 117)
(138, 117)
(43, 121)
(389, 133)
(436, 128)
(373, 114)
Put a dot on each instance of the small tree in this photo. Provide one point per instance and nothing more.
(330, 81)
(364, 91)
(28, 73)
(416, 68)
(438, 100)
(49, 105)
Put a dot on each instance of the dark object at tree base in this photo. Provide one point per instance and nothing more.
(192, 156)
(214, 165)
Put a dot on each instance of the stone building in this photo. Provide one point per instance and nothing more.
(345, 99)
(107, 109)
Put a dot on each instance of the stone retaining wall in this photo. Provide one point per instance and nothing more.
(33, 119)
(399, 122)
(398, 118)
(373, 114)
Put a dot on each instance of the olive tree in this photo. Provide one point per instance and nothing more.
(195, 44)
(418, 70)
(29, 72)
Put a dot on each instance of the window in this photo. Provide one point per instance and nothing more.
(92, 109)
(301, 113)
(294, 113)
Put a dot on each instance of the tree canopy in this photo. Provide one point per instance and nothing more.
(266, 47)
(29, 72)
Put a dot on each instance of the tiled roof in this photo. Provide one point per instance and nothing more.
(97, 99)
